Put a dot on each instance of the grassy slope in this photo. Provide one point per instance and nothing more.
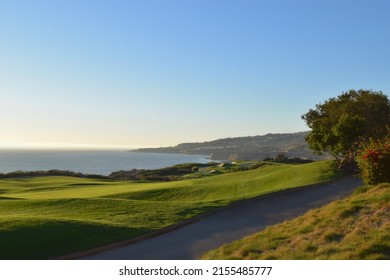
(50, 216)
(357, 227)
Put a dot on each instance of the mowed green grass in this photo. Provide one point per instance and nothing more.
(46, 217)
(357, 227)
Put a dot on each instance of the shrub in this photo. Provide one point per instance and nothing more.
(374, 161)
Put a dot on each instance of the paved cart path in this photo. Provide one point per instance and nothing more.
(231, 223)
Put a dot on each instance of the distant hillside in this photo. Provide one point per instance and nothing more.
(245, 148)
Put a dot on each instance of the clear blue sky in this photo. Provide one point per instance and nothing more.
(157, 73)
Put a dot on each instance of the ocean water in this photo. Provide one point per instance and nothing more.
(89, 162)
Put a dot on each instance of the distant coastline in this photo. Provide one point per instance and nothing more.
(87, 162)
(291, 145)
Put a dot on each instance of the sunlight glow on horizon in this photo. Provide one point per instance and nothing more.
(65, 146)
(128, 74)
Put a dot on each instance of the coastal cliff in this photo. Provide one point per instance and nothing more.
(258, 147)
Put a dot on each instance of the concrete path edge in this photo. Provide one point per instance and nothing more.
(194, 219)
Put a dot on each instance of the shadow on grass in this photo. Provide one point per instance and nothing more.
(10, 198)
(190, 212)
(45, 239)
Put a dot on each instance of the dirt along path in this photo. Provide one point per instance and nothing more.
(232, 223)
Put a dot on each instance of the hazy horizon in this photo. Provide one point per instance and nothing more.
(63, 146)
(130, 74)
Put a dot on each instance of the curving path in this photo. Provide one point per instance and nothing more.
(232, 222)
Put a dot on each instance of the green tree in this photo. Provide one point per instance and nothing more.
(339, 125)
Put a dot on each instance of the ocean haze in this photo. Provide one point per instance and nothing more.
(101, 162)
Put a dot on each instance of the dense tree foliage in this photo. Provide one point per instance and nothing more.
(339, 125)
